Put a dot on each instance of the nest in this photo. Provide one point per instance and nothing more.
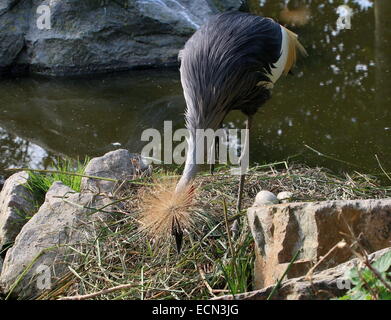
(214, 260)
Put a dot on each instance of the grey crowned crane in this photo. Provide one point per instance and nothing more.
(231, 63)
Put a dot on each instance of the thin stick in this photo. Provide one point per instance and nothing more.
(202, 274)
(310, 272)
(79, 175)
(381, 167)
(220, 291)
(244, 152)
(99, 293)
(330, 157)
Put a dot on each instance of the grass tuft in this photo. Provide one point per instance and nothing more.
(39, 182)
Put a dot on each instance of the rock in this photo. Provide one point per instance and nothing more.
(13, 27)
(184, 15)
(97, 36)
(6, 5)
(1, 264)
(119, 165)
(265, 197)
(16, 202)
(284, 196)
(41, 250)
(315, 228)
(330, 283)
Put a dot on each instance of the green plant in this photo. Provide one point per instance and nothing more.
(238, 270)
(39, 182)
(371, 283)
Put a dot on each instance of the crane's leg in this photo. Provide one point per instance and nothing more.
(245, 151)
(215, 148)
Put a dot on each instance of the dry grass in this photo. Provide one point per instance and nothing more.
(120, 262)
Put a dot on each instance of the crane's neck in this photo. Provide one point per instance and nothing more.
(191, 166)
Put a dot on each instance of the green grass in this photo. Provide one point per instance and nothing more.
(39, 183)
(238, 269)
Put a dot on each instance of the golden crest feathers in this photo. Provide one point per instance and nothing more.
(293, 46)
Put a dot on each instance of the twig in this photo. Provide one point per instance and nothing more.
(381, 167)
(220, 291)
(330, 157)
(99, 293)
(202, 274)
(377, 274)
(310, 272)
(79, 175)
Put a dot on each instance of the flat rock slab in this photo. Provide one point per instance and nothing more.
(328, 284)
(315, 228)
(16, 202)
(41, 252)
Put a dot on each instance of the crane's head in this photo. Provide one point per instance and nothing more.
(165, 210)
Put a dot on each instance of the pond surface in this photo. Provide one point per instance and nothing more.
(336, 103)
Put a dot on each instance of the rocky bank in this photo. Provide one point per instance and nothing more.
(93, 36)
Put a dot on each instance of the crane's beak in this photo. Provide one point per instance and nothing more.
(177, 233)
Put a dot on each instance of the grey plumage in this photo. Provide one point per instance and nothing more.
(232, 62)
(223, 62)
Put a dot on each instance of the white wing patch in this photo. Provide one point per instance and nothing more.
(281, 63)
(289, 47)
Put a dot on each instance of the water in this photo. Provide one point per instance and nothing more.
(337, 103)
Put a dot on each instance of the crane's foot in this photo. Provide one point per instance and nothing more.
(215, 150)
(243, 174)
(177, 233)
(211, 168)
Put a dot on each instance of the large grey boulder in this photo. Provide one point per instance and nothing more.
(330, 283)
(13, 28)
(97, 36)
(117, 166)
(280, 230)
(41, 252)
(7, 5)
(16, 204)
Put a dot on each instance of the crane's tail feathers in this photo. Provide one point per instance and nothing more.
(294, 46)
(165, 212)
